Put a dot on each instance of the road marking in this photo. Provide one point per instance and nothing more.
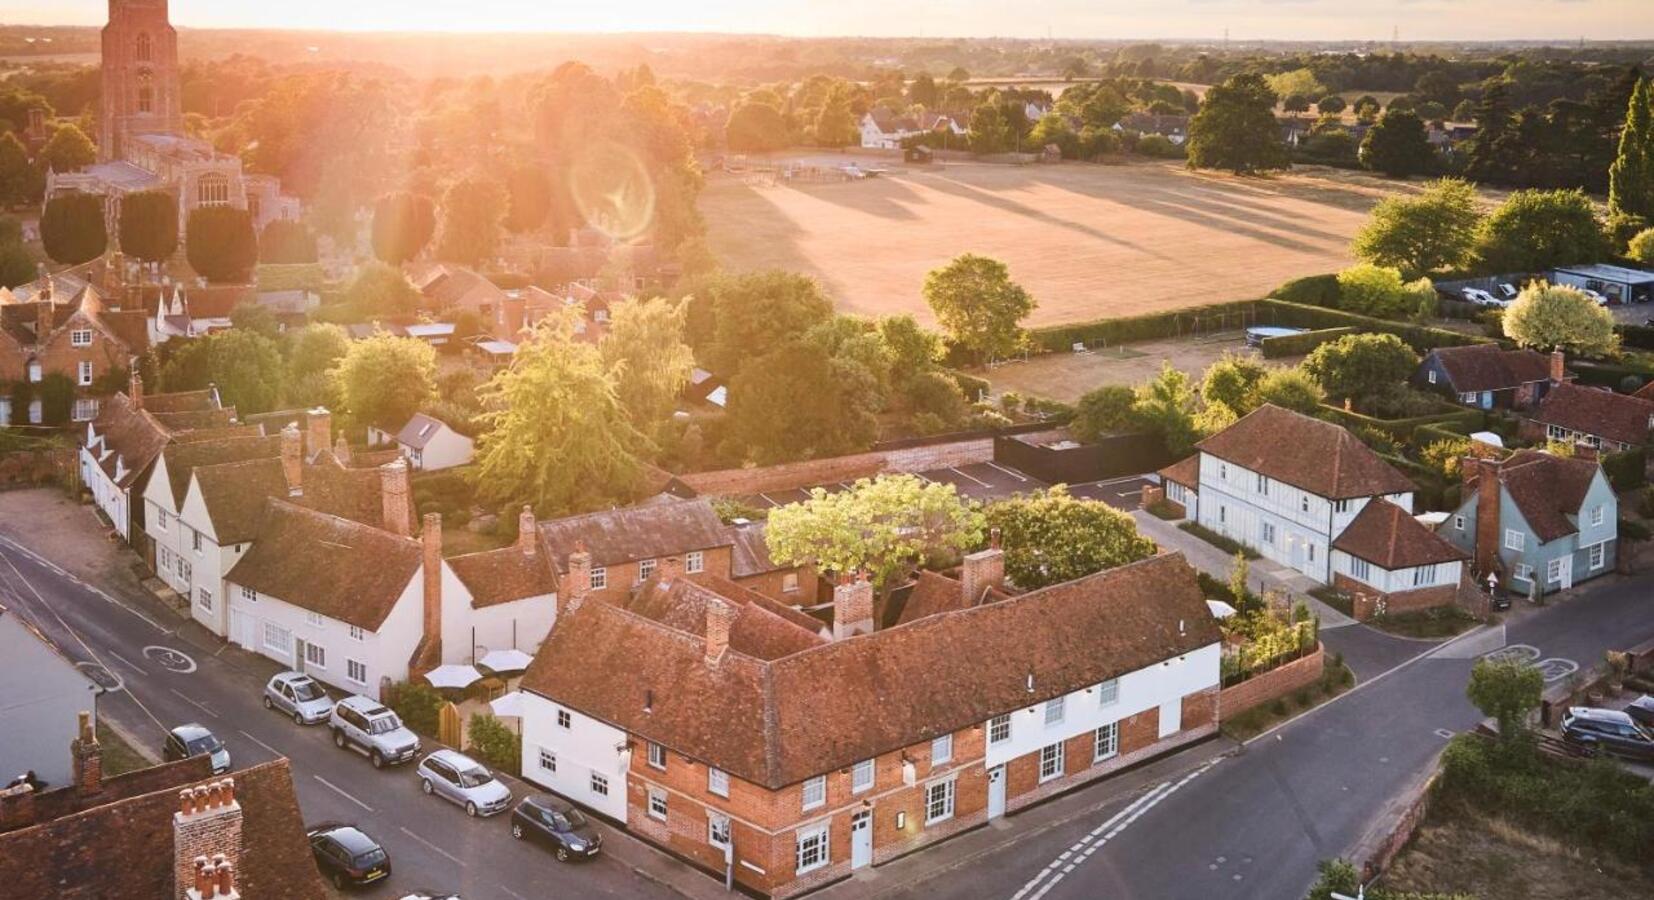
(64, 573)
(767, 499)
(195, 703)
(1011, 472)
(129, 664)
(176, 661)
(341, 792)
(955, 470)
(104, 678)
(262, 744)
(434, 848)
(1110, 481)
(512, 893)
(921, 477)
(1151, 797)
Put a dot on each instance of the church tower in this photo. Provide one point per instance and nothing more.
(140, 76)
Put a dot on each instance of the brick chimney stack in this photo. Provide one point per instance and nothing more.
(88, 758)
(16, 806)
(341, 451)
(572, 592)
(1559, 370)
(852, 607)
(431, 539)
(206, 841)
(319, 425)
(393, 496)
(983, 569)
(292, 459)
(135, 390)
(43, 316)
(1487, 515)
(719, 617)
(671, 569)
(528, 540)
(513, 312)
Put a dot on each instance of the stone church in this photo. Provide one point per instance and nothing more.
(142, 144)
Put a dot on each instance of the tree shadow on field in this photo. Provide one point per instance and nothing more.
(988, 198)
(755, 233)
(880, 197)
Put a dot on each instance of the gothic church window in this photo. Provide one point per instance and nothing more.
(212, 190)
(146, 93)
(143, 47)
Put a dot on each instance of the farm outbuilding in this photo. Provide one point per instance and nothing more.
(1618, 283)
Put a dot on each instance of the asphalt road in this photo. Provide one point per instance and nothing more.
(1255, 824)
(432, 843)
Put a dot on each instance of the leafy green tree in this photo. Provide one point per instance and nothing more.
(1641, 247)
(498, 745)
(1290, 389)
(1491, 153)
(286, 243)
(990, 133)
(316, 347)
(1557, 317)
(1432, 230)
(57, 397)
(1444, 455)
(912, 348)
(1361, 366)
(1110, 409)
(17, 265)
(1397, 146)
(756, 127)
(1331, 105)
(71, 227)
(1166, 405)
(1537, 230)
(528, 198)
(20, 181)
(1295, 103)
(68, 150)
(220, 243)
(245, 365)
(937, 396)
(1366, 108)
(835, 126)
(1232, 381)
(556, 435)
(149, 226)
(1053, 537)
(756, 310)
(1235, 128)
(1631, 177)
(1297, 81)
(257, 318)
(977, 303)
(648, 359)
(473, 211)
(1506, 691)
(381, 290)
(1053, 128)
(798, 402)
(883, 527)
(403, 224)
(1376, 291)
(383, 380)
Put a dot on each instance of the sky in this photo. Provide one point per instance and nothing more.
(1556, 20)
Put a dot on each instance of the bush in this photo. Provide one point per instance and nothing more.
(418, 705)
(935, 394)
(1218, 540)
(220, 243)
(1302, 344)
(1314, 290)
(498, 745)
(1421, 338)
(1626, 470)
(1122, 330)
(971, 386)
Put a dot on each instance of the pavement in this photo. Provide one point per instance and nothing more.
(171, 672)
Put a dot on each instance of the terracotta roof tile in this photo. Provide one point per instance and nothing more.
(634, 533)
(1489, 367)
(1185, 472)
(1307, 453)
(1598, 411)
(133, 434)
(180, 402)
(1387, 536)
(503, 575)
(184, 457)
(763, 628)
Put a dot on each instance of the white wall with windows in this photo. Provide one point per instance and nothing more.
(1160, 686)
(575, 755)
(1392, 581)
(109, 497)
(195, 561)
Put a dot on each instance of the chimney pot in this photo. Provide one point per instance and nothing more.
(203, 876)
(527, 540)
(719, 617)
(292, 459)
(186, 802)
(226, 878)
(853, 607)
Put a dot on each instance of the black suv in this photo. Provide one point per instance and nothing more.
(558, 825)
(1608, 730)
(347, 856)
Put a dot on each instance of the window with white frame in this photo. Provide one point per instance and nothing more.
(563, 718)
(1524, 572)
(1303, 504)
(600, 785)
(939, 801)
(277, 638)
(657, 804)
(941, 750)
(314, 619)
(815, 792)
(35, 372)
(356, 671)
(1599, 555)
(812, 849)
(717, 830)
(645, 569)
(1223, 514)
(1050, 762)
(1431, 376)
(1513, 539)
(717, 781)
(195, 541)
(1263, 485)
(86, 409)
(1596, 515)
(1106, 743)
(357, 634)
(1424, 575)
(248, 594)
(657, 755)
(1359, 568)
(1267, 531)
(600, 578)
(203, 599)
(1223, 471)
(80, 337)
(1458, 523)
(212, 189)
(861, 776)
(1338, 506)
(694, 561)
(548, 761)
(315, 655)
(1054, 710)
(162, 519)
(1108, 692)
(84, 372)
(1553, 570)
(164, 557)
(185, 570)
(999, 729)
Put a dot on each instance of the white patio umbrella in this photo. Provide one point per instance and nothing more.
(452, 676)
(502, 661)
(508, 704)
(1220, 609)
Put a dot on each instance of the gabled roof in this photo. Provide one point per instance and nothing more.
(1546, 489)
(1598, 411)
(1489, 367)
(1185, 472)
(134, 436)
(420, 430)
(777, 722)
(1307, 453)
(749, 555)
(234, 493)
(635, 533)
(329, 565)
(763, 628)
(505, 575)
(184, 457)
(1385, 535)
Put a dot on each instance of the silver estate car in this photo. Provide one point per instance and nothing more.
(299, 696)
(462, 780)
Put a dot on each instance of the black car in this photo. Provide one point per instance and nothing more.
(1642, 709)
(1607, 730)
(347, 856)
(190, 740)
(558, 825)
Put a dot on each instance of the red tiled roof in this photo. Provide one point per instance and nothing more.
(1307, 453)
(1546, 489)
(1185, 472)
(1598, 411)
(1385, 535)
(504, 575)
(1489, 367)
(763, 629)
(634, 533)
(183, 457)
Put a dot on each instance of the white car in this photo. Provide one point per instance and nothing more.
(460, 779)
(1481, 297)
(1601, 300)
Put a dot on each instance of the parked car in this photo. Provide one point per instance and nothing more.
(454, 776)
(1482, 298)
(346, 855)
(1507, 290)
(557, 824)
(1642, 709)
(1607, 730)
(194, 739)
(429, 895)
(368, 726)
(1600, 299)
(299, 696)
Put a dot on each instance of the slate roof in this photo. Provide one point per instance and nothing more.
(1489, 367)
(635, 533)
(419, 431)
(1307, 453)
(1389, 537)
(1546, 489)
(1598, 411)
(504, 575)
(777, 722)
(131, 838)
(326, 564)
(749, 554)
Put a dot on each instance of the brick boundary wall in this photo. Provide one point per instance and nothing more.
(28, 468)
(1277, 682)
(1402, 832)
(787, 476)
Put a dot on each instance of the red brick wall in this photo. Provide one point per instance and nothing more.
(1367, 602)
(814, 472)
(770, 585)
(1277, 682)
(622, 577)
(58, 356)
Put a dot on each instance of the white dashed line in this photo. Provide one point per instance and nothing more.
(195, 703)
(341, 792)
(262, 744)
(955, 470)
(434, 848)
(128, 663)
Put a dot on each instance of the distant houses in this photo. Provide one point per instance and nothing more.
(1487, 376)
(428, 443)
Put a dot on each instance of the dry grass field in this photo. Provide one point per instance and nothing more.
(1088, 241)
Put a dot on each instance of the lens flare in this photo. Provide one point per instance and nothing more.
(613, 191)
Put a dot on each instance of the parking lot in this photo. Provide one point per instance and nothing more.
(983, 482)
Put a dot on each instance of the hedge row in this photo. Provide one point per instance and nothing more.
(1421, 338)
(1146, 327)
(1640, 337)
(1626, 470)
(1610, 375)
(1450, 417)
(971, 386)
(1314, 290)
(1301, 344)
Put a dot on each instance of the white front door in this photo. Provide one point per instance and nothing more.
(996, 792)
(861, 839)
(1565, 573)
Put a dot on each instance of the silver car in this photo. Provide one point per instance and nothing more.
(367, 726)
(299, 696)
(461, 779)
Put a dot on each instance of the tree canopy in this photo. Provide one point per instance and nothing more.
(383, 380)
(403, 224)
(473, 212)
(1631, 176)
(756, 127)
(754, 311)
(381, 290)
(149, 226)
(71, 227)
(1537, 230)
(1106, 410)
(882, 526)
(1166, 405)
(1361, 366)
(978, 305)
(797, 402)
(220, 243)
(1557, 317)
(68, 150)
(1397, 146)
(286, 243)
(1432, 230)
(1506, 691)
(1052, 537)
(645, 352)
(20, 181)
(246, 367)
(1378, 291)
(1235, 128)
